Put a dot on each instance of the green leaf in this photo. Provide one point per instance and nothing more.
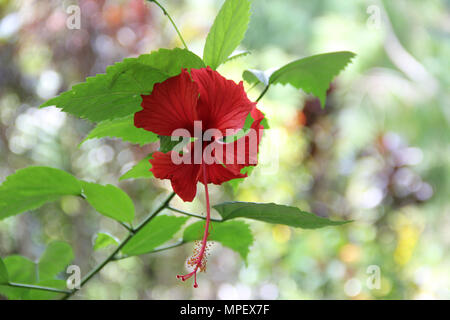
(170, 61)
(227, 32)
(313, 74)
(234, 183)
(235, 235)
(117, 93)
(109, 201)
(158, 231)
(252, 76)
(274, 213)
(166, 143)
(140, 170)
(20, 270)
(104, 240)
(237, 56)
(124, 129)
(3, 273)
(112, 95)
(54, 260)
(31, 187)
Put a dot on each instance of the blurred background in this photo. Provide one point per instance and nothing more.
(378, 153)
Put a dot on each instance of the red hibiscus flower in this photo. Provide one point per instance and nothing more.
(221, 108)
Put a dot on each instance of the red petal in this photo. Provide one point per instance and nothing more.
(171, 105)
(223, 104)
(243, 153)
(257, 116)
(183, 177)
(219, 174)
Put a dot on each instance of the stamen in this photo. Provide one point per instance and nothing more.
(198, 259)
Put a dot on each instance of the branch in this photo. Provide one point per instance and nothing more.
(112, 256)
(34, 287)
(126, 226)
(191, 215)
(170, 246)
(164, 205)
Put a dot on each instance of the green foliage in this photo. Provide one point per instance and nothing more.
(109, 201)
(31, 187)
(24, 271)
(235, 235)
(111, 99)
(311, 74)
(140, 170)
(234, 183)
(274, 213)
(117, 93)
(252, 76)
(20, 270)
(160, 230)
(112, 95)
(167, 144)
(3, 273)
(104, 240)
(237, 56)
(124, 129)
(170, 61)
(55, 259)
(227, 32)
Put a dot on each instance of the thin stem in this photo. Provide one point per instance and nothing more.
(111, 257)
(263, 93)
(126, 226)
(34, 287)
(191, 214)
(173, 23)
(106, 261)
(164, 205)
(170, 246)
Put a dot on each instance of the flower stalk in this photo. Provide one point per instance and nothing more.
(171, 21)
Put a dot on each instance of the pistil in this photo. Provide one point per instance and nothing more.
(199, 260)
